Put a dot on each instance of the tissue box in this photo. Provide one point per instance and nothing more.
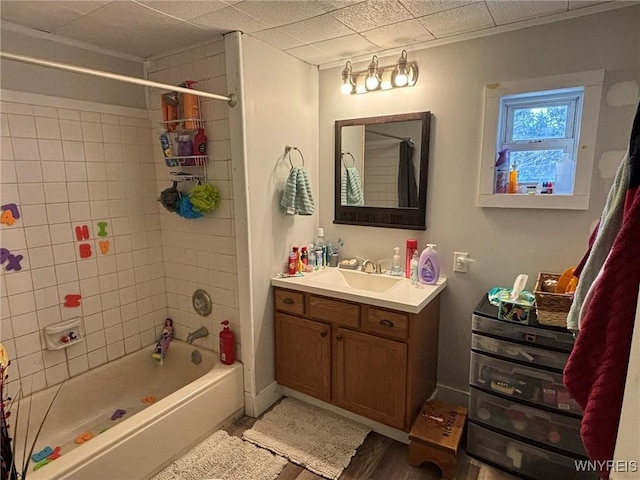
(514, 311)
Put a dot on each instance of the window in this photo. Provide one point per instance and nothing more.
(548, 127)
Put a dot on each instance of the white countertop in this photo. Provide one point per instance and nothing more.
(329, 282)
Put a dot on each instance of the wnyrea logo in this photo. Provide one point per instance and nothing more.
(620, 466)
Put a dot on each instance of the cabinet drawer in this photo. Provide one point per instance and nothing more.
(384, 322)
(535, 336)
(536, 386)
(334, 311)
(523, 459)
(288, 301)
(523, 353)
(551, 429)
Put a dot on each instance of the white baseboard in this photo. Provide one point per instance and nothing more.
(377, 427)
(256, 405)
(452, 395)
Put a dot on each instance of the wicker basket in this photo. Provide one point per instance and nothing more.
(551, 308)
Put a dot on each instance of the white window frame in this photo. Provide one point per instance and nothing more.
(585, 129)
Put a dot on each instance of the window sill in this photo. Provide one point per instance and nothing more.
(523, 200)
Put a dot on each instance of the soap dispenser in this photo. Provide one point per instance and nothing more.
(396, 270)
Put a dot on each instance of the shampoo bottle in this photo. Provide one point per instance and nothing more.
(412, 247)
(396, 270)
(429, 265)
(190, 106)
(512, 186)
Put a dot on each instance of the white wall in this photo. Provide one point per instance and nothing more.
(280, 105)
(504, 242)
(58, 83)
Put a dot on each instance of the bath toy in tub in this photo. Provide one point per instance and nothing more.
(163, 342)
(53, 454)
(149, 399)
(85, 437)
(119, 413)
(42, 454)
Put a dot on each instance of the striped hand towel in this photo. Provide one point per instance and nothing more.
(351, 191)
(297, 198)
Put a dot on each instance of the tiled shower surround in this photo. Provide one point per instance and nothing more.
(85, 178)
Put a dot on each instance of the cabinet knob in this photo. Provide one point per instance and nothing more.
(288, 301)
(323, 334)
(386, 323)
(339, 337)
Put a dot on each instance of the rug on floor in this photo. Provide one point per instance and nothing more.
(224, 457)
(312, 437)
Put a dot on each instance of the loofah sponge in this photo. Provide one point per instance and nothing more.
(185, 209)
(204, 198)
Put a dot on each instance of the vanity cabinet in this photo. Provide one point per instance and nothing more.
(376, 362)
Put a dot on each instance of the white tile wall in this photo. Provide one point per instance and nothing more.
(67, 167)
(199, 253)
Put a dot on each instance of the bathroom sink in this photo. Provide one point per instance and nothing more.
(371, 288)
(362, 281)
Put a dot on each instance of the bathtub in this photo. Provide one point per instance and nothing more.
(190, 401)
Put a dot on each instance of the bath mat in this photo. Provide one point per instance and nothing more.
(312, 437)
(226, 458)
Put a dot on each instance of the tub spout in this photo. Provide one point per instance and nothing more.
(199, 333)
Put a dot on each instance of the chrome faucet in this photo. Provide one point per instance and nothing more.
(379, 267)
(199, 333)
(368, 266)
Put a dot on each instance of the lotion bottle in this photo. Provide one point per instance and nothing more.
(429, 265)
(396, 270)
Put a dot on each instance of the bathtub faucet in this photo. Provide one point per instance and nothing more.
(199, 333)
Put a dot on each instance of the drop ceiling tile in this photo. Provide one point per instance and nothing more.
(458, 20)
(345, 47)
(132, 28)
(230, 19)
(575, 4)
(372, 14)
(277, 38)
(398, 34)
(316, 29)
(280, 12)
(309, 54)
(46, 16)
(185, 10)
(420, 8)
(509, 12)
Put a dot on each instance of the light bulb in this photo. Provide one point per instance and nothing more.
(401, 79)
(346, 88)
(372, 82)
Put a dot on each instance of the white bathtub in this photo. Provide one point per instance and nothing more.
(191, 401)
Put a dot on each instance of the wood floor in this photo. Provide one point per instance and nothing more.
(380, 458)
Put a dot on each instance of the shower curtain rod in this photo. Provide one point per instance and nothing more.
(231, 99)
(390, 136)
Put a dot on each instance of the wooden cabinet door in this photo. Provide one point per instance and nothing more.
(303, 355)
(370, 376)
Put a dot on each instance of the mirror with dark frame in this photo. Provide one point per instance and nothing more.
(381, 170)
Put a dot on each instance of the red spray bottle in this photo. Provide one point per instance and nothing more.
(227, 344)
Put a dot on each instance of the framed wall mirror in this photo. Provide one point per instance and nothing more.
(381, 168)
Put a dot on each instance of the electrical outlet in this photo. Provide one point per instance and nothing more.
(460, 262)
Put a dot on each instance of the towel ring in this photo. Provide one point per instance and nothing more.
(287, 152)
(344, 154)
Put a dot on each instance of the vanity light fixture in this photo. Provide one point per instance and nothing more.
(401, 74)
(348, 85)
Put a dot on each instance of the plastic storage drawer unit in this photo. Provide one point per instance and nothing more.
(540, 387)
(521, 353)
(524, 459)
(552, 429)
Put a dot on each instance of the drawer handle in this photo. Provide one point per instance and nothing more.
(386, 323)
(288, 301)
(323, 334)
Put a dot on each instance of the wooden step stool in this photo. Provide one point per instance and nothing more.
(435, 436)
